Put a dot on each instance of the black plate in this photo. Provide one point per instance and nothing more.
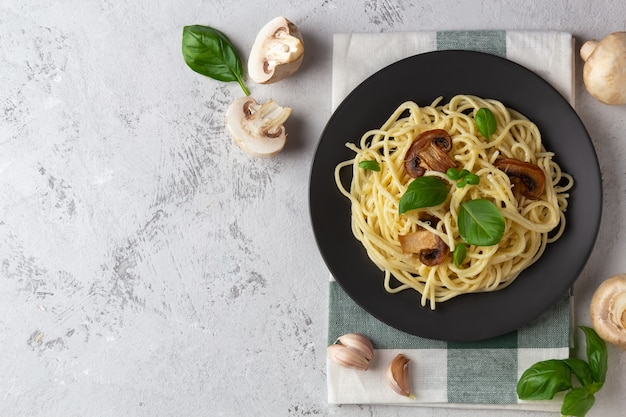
(422, 78)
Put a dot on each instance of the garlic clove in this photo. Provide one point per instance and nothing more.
(348, 357)
(398, 375)
(359, 342)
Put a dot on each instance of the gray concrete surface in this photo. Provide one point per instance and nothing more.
(148, 267)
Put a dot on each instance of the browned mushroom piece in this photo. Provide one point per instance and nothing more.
(429, 151)
(430, 248)
(528, 179)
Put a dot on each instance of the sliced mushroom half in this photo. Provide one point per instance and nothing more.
(429, 151)
(528, 180)
(608, 310)
(429, 247)
(257, 128)
(277, 51)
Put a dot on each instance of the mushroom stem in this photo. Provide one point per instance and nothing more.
(282, 50)
(618, 311)
(268, 118)
(587, 49)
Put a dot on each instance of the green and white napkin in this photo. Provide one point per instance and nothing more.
(467, 375)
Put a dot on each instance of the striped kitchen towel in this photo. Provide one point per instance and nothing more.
(468, 375)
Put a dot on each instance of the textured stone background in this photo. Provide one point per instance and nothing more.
(148, 267)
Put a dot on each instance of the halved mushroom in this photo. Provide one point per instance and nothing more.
(277, 51)
(257, 128)
(429, 151)
(608, 310)
(429, 247)
(528, 180)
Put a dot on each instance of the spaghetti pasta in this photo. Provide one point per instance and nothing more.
(530, 224)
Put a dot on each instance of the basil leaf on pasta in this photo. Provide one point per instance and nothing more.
(423, 192)
(371, 165)
(459, 254)
(485, 122)
(480, 222)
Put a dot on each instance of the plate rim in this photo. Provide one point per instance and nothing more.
(506, 63)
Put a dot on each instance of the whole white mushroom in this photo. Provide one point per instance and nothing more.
(604, 72)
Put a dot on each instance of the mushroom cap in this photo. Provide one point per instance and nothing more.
(604, 72)
(257, 128)
(277, 51)
(528, 180)
(429, 152)
(608, 310)
(430, 248)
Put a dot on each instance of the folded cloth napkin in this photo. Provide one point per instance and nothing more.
(467, 375)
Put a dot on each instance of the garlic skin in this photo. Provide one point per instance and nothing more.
(398, 375)
(352, 350)
(358, 342)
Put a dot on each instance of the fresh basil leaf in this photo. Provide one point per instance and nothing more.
(581, 370)
(209, 52)
(485, 122)
(459, 254)
(469, 179)
(597, 354)
(544, 379)
(371, 165)
(472, 179)
(480, 223)
(453, 173)
(423, 192)
(577, 402)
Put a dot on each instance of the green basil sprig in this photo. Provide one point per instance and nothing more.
(480, 222)
(423, 192)
(462, 177)
(544, 379)
(209, 52)
(371, 165)
(485, 122)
